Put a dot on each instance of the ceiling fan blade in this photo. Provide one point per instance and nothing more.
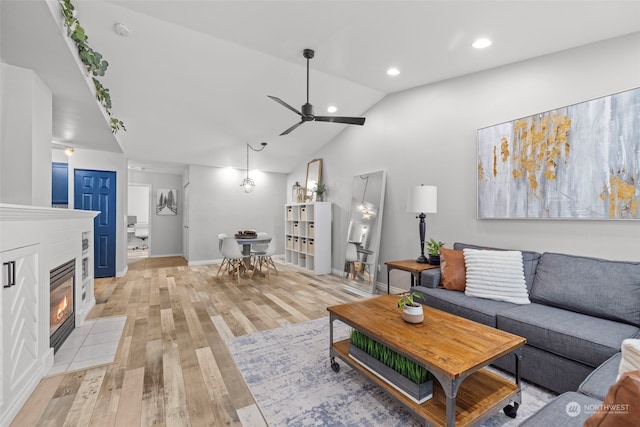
(337, 119)
(284, 104)
(292, 128)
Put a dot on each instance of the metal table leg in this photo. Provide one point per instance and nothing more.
(511, 410)
(450, 388)
(334, 365)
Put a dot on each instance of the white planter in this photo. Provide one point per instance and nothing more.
(413, 314)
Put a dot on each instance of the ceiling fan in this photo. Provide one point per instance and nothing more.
(307, 113)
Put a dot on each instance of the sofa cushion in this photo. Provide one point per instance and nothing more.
(620, 407)
(586, 339)
(630, 361)
(564, 411)
(496, 275)
(452, 269)
(529, 259)
(476, 309)
(608, 289)
(598, 382)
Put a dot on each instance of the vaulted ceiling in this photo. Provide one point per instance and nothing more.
(191, 79)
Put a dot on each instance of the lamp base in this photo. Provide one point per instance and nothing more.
(422, 260)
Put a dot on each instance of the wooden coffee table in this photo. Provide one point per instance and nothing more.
(452, 348)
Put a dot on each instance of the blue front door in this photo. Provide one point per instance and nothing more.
(96, 191)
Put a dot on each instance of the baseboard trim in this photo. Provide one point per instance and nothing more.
(204, 262)
(122, 273)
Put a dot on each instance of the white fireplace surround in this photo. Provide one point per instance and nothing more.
(37, 240)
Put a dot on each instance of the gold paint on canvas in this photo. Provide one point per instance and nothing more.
(481, 174)
(495, 163)
(504, 149)
(622, 200)
(538, 146)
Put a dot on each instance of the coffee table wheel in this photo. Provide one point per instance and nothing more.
(511, 410)
(334, 365)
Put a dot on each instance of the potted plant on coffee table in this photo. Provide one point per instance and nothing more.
(433, 247)
(411, 310)
(402, 373)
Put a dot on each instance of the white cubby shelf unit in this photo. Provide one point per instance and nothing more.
(307, 241)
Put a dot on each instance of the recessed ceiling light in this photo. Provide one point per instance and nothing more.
(332, 109)
(393, 71)
(121, 29)
(481, 43)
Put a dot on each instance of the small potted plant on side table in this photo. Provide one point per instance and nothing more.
(433, 248)
(411, 310)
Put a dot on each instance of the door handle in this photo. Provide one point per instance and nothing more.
(11, 274)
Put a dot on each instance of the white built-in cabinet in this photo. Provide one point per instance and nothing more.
(307, 230)
(20, 302)
(34, 240)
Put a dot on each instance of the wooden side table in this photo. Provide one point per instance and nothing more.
(410, 265)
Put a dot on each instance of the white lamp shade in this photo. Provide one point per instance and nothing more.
(422, 199)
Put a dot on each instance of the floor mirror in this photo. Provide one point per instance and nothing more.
(363, 233)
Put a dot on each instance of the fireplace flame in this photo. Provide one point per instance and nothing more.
(62, 308)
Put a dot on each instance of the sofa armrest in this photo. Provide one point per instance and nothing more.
(599, 381)
(430, 278)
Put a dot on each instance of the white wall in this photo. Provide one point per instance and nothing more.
(218, 205)
(25, 139)
(428, 135)
(58, 155)
(165, 231)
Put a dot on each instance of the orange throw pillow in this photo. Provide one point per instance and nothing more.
(452, 269)
(621, 407)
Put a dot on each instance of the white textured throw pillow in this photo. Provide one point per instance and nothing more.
(630, 356)
(497, 275)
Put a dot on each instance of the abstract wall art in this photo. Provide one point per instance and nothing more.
(577, 162)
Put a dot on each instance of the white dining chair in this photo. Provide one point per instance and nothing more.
(225, 261)
(259, 248)
(235, 257)
(264, 258)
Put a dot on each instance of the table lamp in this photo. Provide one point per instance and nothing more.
(422, 199)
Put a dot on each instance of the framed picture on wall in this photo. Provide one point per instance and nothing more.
(167, 201)
(575, 162)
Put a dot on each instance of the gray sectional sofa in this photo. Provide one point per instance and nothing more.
(581, 310)
(573, 408)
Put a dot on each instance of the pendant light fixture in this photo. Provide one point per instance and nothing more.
(248, 184)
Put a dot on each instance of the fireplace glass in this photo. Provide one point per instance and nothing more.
(61, 307)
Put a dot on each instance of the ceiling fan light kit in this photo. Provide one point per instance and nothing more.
(308, 114)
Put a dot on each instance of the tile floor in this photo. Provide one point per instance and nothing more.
(92, 344)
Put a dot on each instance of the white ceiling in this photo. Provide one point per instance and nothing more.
(191, 80)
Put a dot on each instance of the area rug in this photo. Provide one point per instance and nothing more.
(287, 370)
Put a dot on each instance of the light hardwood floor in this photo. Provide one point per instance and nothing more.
(172, 367)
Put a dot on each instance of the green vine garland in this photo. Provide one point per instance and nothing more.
(93, 60)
